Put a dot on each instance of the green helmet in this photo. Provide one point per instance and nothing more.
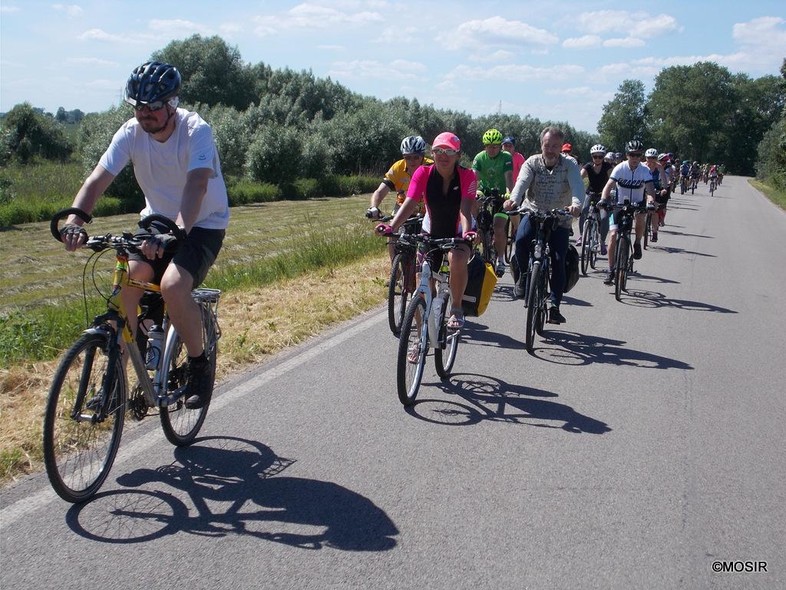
(492, 136)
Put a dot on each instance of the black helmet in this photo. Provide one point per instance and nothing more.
(151, 82)
(634, 145)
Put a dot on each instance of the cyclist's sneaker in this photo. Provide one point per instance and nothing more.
(413, 354)
(200, 383)
(555, 317)
(519, 287)
(603, 250)
(654, 238)
(609, 280)
(636, 251)
(500, 269)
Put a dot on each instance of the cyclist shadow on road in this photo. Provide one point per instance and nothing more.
(572, 348)
(226, 485)
(490, 398)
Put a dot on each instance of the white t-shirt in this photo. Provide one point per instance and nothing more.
(630, 182)
(161, 168)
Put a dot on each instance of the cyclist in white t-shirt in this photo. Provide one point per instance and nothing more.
(632, 180)
(177, 167)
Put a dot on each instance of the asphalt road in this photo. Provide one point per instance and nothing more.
(641, 444)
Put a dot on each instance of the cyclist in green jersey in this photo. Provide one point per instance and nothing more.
(494, 170)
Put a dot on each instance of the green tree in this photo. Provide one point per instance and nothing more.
(623, 117)
(690, 109)
(28, 134)
(212, 71)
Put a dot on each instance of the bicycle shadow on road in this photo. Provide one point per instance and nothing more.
(572, 348)
(490, 398)
(224, 486)
(654, 299)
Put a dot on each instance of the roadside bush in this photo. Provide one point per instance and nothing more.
(244, 192)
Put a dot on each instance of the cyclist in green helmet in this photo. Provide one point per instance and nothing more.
(494, 170)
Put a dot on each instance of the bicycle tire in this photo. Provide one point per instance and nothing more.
(586, 246)
(79, 454)
(533, 305)
(621, 267)
(397, 294)
(409, 375)
(543, 293)
(445, 353)
(647, 229)
(180, 424)
(595, 241)
(510, 241)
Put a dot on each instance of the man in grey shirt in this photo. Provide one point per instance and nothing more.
(547, 181)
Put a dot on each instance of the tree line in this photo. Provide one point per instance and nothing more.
(278, 125)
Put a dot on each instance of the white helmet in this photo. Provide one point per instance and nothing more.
(414, 144)
(651, 153)
(597, 149)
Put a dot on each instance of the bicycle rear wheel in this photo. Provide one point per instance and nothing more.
(534, 297)
(412, 349)
(79, 444)
(445, 353)
(397, 293)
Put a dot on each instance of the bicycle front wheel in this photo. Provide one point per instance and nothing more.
(621, 271)
(397, 293)
(586, 246)
(510, 240)
(84, 419)
(179, 423)
(445, 353)
(412, 349)
(647, 230)
(534, 297)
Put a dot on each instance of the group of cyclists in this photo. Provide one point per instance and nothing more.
(447, 193)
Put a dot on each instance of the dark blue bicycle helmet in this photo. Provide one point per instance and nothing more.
(151, 82)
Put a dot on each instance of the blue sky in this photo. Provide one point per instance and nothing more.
(558, 60)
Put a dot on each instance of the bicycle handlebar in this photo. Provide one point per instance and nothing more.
(432, 243)
(126, 240)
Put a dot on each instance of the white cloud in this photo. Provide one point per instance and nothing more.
(516, 72)
(9, 9)
(624, 42)
(178, 27)
(92, 61)
(314, 16)
(101, 35)
(72, 10)
(498, 56)
(632, 24)
(496, 31)
(582, 42)
(767, 30)
(364, 69)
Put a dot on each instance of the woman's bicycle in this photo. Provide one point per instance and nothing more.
(538, 272)
(489, 205)
(713, 185)
(89, 395)
(624, 216)
(425, 324)
(590, 236)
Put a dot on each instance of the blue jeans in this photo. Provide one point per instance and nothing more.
(558, 243)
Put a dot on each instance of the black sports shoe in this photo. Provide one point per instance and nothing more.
(555, 317)
(199, 387)
(654, 238)
(636, 251)
(609, 280)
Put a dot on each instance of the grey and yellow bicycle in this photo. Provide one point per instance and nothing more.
(90, 394)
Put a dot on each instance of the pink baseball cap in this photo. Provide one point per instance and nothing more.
(447, 139)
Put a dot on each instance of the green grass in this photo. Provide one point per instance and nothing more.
(772, 193)
(42, 308)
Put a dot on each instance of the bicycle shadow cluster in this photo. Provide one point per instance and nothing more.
(234, 487)
(485, 398)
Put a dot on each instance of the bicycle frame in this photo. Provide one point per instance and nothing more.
(429, 330)
(151, 389)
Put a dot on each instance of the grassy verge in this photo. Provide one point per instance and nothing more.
(773, 194)
(288, 270)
